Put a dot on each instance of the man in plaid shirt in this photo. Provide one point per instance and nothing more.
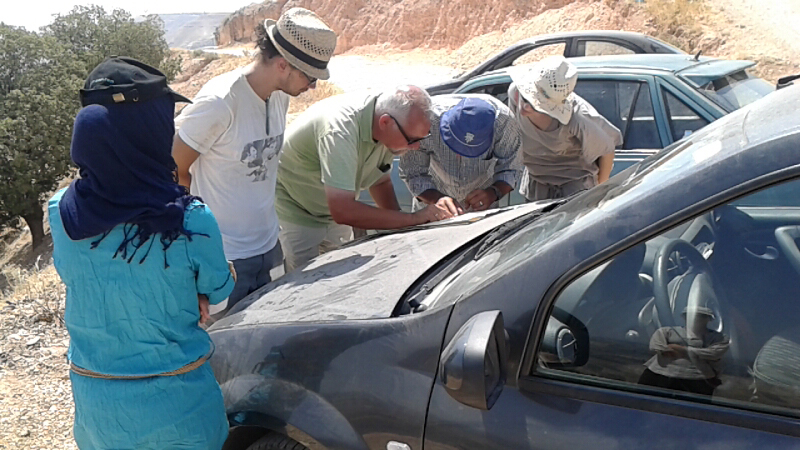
(471, 155)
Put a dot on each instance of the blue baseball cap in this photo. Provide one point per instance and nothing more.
(468, 127)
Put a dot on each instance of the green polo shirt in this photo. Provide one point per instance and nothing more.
(330, 144)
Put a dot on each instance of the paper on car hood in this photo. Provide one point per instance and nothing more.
(365, 280)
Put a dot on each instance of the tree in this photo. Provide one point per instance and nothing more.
(92, 35)
(39, 82)
(40, 76)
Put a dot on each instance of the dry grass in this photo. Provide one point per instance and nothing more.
(39, 287)
(678, 22)
(301, 102)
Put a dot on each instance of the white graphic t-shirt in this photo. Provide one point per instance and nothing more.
(239, 149)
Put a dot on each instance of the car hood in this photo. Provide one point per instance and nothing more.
(365, 279)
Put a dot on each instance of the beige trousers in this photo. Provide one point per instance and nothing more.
(301, 244)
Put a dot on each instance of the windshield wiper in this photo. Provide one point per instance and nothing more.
(511, 227)
(786, 81)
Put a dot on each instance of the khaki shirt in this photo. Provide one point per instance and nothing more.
(567, 152)
(330, 144)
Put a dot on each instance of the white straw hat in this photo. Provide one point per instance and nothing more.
(304, 40)
(548, 87)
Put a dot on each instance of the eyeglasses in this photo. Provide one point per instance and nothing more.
(409, 140)
(311, 80)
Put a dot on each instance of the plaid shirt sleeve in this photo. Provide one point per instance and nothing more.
(507, 147)
(414, 170)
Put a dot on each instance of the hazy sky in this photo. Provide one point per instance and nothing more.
(40, 12)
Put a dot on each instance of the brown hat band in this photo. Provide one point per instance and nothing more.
(296, 52)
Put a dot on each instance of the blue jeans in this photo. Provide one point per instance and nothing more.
(253, 272)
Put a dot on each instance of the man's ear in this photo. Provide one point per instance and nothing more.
(283, 65)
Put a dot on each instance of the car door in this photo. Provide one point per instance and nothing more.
(682, 110)
(598, 371)
(626, 100)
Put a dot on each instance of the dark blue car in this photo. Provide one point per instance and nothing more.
(657, 310)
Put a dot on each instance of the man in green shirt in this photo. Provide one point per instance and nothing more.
(338, 147)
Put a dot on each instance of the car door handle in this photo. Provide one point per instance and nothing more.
(770, 253)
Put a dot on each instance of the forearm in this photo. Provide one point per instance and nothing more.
(382, 193)
(710, 353)
(368, 217)
(605, 164)
(503, 187)
(184, 178)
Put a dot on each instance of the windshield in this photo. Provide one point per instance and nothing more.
(530, 238)
(736, 90)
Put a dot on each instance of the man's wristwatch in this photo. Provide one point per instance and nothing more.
(498, 195)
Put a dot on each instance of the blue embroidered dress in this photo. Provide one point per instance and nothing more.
(141, 318)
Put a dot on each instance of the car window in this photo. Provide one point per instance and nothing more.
(614, 100)
(736, 90)
(705, 311)
(498, 90)
(593, 48)
(782, 195)
(540, 53)
(682, 119)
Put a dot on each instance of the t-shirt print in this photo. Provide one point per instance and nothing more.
(258, 156)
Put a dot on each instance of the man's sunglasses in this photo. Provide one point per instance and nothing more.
(311, 80)
(409, 140)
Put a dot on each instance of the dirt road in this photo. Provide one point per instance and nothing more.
(353, 72)
(762, 21)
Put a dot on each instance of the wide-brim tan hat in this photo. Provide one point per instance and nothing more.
(304, 40)
(548, 85)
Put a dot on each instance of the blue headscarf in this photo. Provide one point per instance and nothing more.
(124, 153)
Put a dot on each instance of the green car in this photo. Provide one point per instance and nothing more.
(654, 99)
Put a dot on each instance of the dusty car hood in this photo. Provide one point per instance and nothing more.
(366, 279)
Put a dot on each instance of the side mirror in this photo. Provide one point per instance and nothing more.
(475, 361)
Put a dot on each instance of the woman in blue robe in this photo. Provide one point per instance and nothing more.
(142, 260)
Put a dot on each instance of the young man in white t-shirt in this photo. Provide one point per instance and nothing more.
(229, 139)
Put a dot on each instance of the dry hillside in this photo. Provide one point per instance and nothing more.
(406, 23)
(461, 33)
(414, 39)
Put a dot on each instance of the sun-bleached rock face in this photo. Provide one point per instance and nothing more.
(407, 23)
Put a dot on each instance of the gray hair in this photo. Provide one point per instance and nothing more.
(401, 100)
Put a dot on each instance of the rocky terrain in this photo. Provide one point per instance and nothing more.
(468, 31)
(405, 24)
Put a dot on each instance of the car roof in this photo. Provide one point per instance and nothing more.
(703, 68)
(664, 62)
(611, 34)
